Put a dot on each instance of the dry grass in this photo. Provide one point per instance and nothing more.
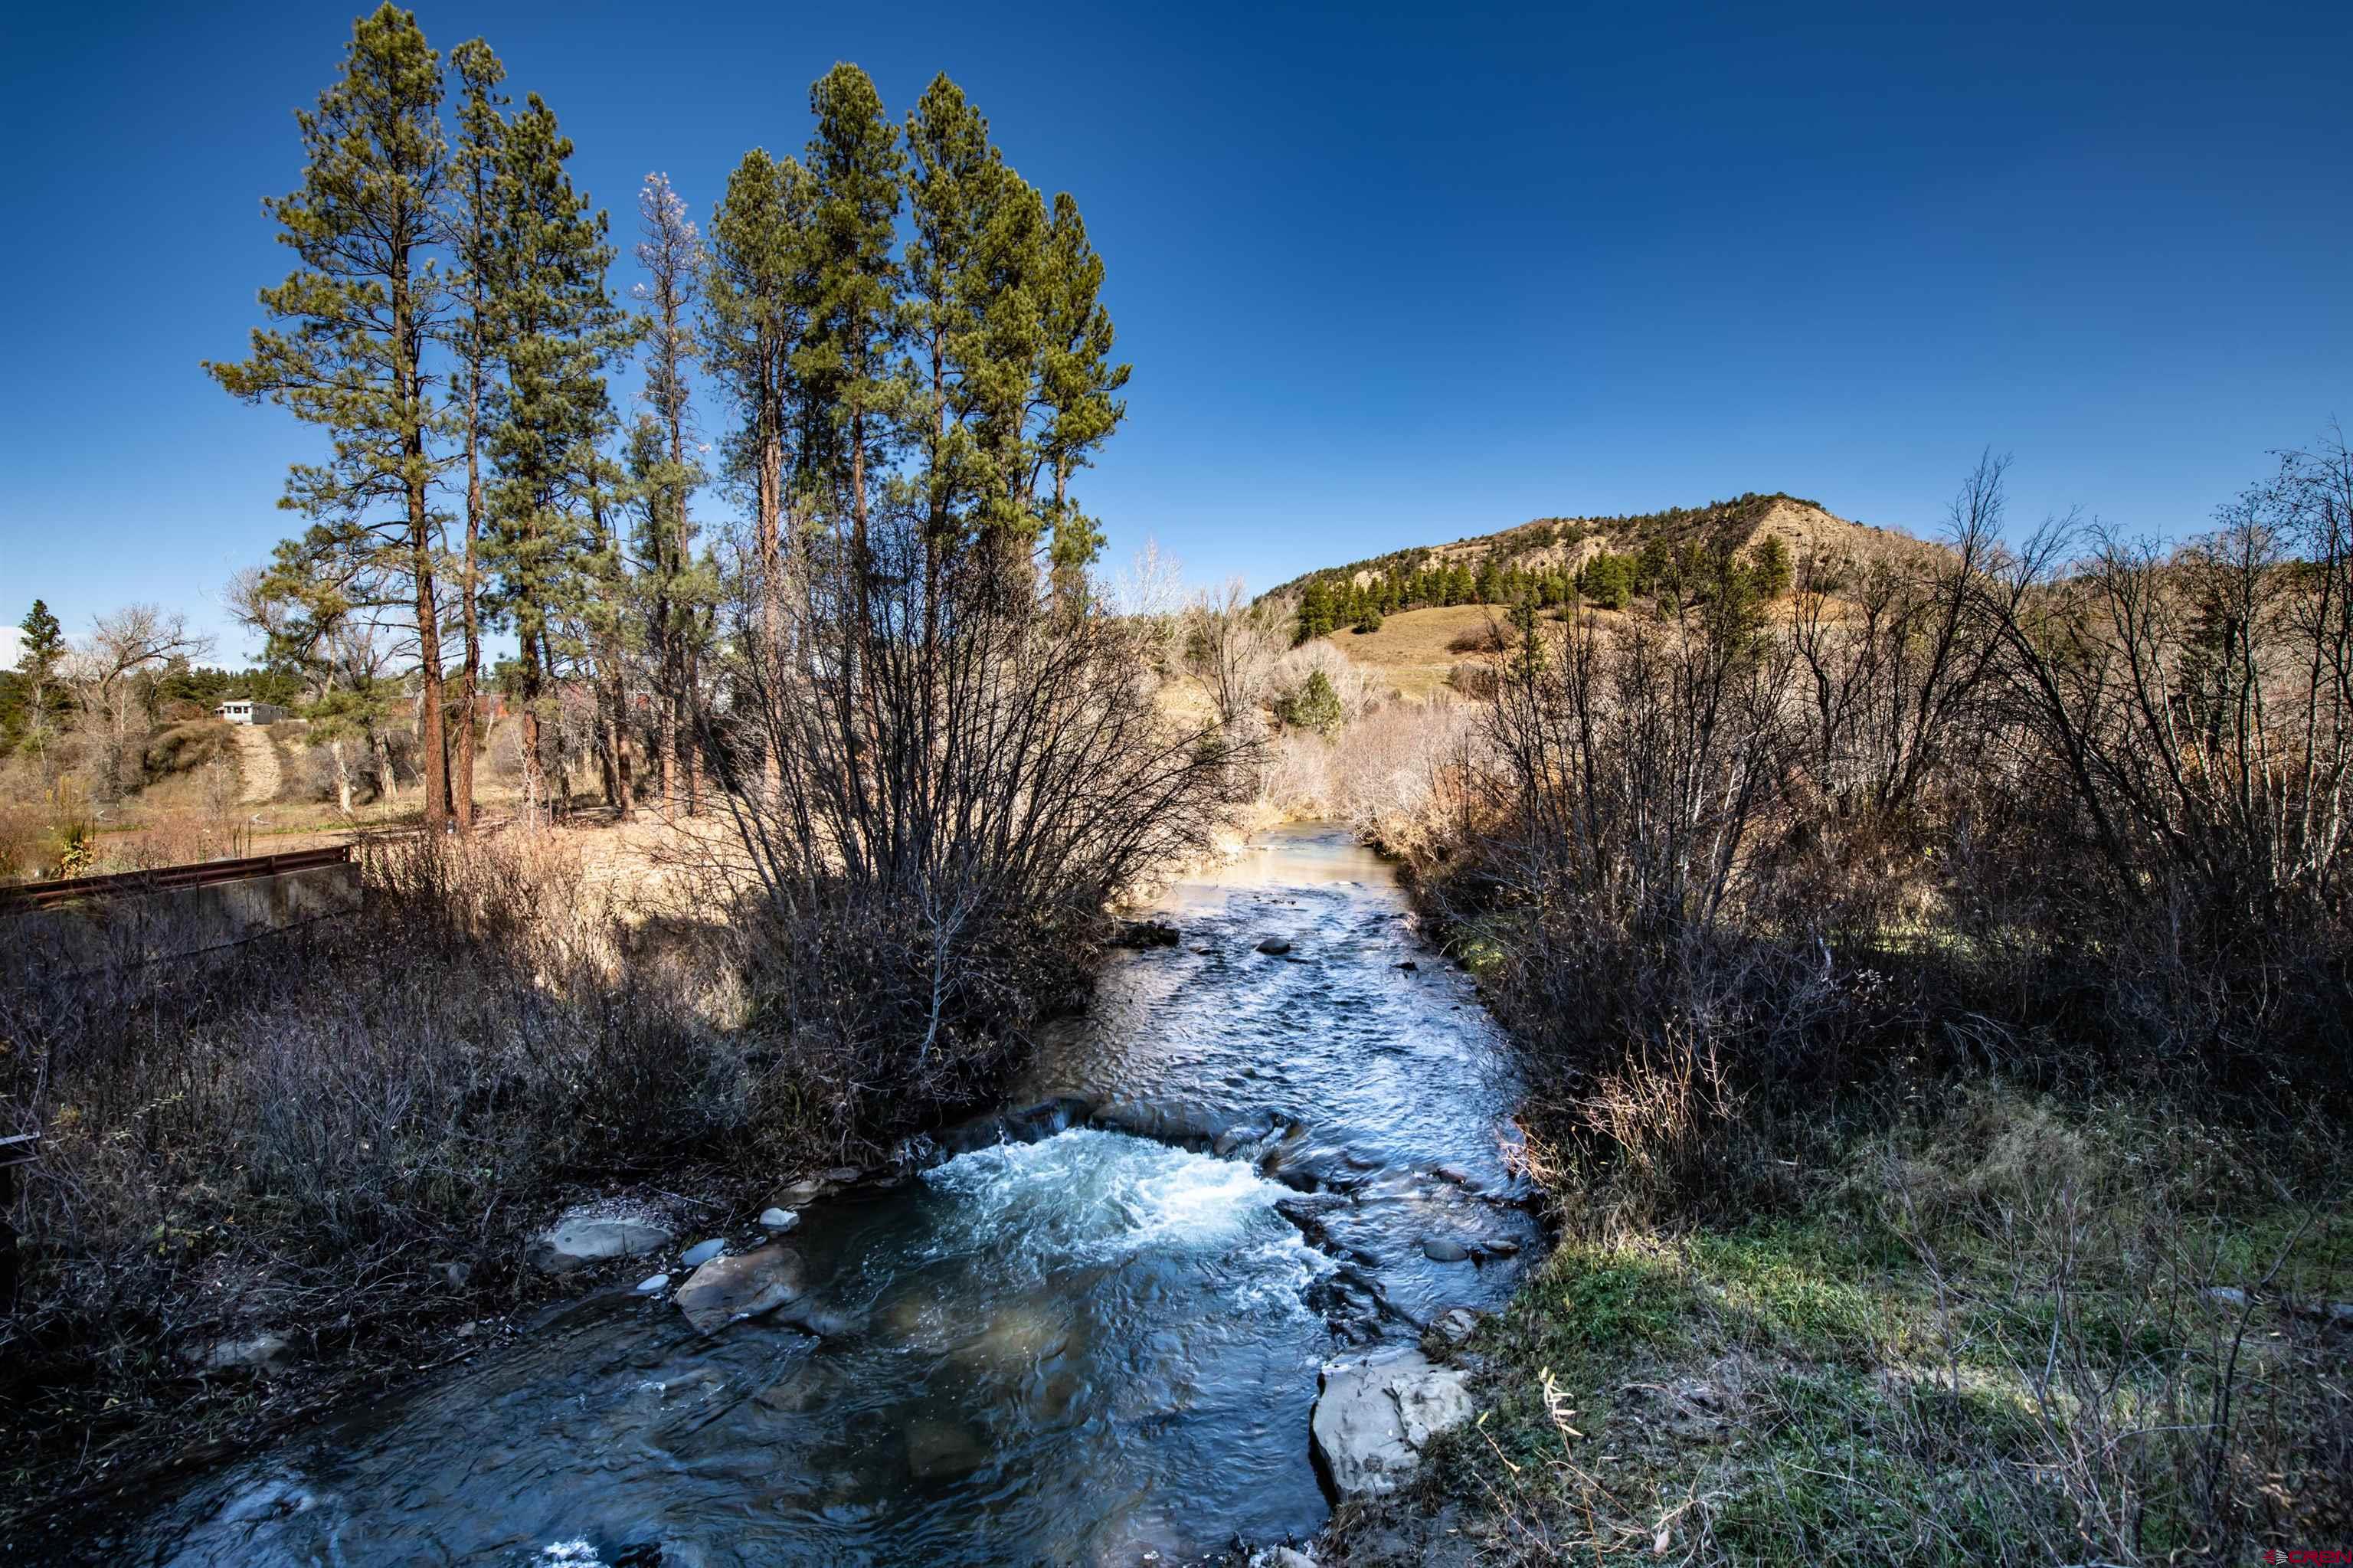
(305, 1136)
(1414, 649)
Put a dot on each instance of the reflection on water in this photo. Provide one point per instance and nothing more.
(1097, 1349)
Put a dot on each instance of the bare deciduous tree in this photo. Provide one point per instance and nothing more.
(112, 675)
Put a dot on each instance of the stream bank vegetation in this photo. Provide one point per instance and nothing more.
(1934, 988)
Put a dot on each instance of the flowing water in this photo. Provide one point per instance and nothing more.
(1097, 1348)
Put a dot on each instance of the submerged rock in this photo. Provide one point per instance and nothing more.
(581, 1237)
(1145, 934)
(940, 1450)
(1274, 944)
(1373, 1419)
(824, 1184)
(1236, 1137)
(1440, 1249)
(747, 1284)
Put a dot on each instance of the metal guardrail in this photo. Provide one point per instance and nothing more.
(20, 896)
(18, 1148)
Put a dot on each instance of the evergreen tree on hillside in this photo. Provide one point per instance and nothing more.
(1772, 566)
(353, 319)
(1316, 616)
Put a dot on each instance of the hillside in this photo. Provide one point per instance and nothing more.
(1558, 548)
(1416, 650)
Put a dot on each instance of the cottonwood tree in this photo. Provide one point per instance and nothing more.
(111, 670)
(349, 352)
(1230, 647)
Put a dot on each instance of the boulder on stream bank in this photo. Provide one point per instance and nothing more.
(260, 1352)
(583, 1235)
(1373, 1418)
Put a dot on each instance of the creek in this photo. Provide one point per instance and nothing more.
(1100, 1347)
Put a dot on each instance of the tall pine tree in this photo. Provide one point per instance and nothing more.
(558, 329)
(756, 311)
(854, 165)
(1078, 383)
(348, 351)
(476, 233)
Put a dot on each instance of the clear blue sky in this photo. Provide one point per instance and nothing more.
(1386, 276)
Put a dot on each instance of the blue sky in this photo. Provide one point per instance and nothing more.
(1387, 275)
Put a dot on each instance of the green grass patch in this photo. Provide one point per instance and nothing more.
(1800, 1289)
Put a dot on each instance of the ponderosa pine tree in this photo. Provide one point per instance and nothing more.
(39, 654)
(475, 233)
(1773, 569)
(558, 328)
(1078, 384)
(956, 183)
(847, 353)
(348, 355)
(756, 312)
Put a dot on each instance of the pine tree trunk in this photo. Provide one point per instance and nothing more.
(672, 645)
(431, 741)
(688, 709)
(617, 726)
(666, 731)
(534, 776)
(772, 574)
(468, 592)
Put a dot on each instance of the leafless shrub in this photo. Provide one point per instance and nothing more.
(305, 1129)
(1398, 773)
(940, 772)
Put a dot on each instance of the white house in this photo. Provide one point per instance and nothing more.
(241, 711)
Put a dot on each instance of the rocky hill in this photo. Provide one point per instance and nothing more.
(1554, 548)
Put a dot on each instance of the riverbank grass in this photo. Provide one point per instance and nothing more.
(2009, 1334)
